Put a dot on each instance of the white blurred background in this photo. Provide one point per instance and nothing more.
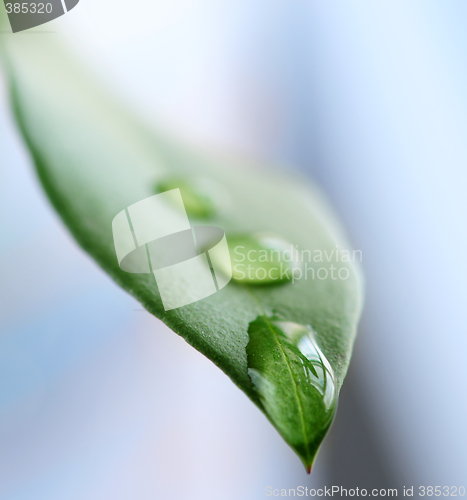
(99, 400)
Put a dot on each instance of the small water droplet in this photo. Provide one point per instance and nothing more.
(196, 198)
(294, 382)
(262, 259)
(317, 369)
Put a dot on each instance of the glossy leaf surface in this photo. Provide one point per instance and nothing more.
(94, 159)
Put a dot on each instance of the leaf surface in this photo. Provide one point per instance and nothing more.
(94, 160)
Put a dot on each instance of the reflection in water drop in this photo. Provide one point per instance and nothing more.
(262, 259)
(316, 368)
(196, 198)
(294, 382)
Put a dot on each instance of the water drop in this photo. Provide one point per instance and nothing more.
(195, 194)
(294, 382)
(262, 259)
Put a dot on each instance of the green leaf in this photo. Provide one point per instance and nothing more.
(285, 343)
(294, 381)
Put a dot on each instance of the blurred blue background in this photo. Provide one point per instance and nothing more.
(99, 400)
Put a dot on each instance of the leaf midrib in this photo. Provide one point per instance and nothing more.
(295, 385)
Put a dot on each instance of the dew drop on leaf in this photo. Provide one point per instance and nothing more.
(196, 198)
(262, 259)
(296, 387)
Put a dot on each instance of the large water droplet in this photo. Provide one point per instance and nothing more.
(195, 194)
(262, 259)
(294, 382)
